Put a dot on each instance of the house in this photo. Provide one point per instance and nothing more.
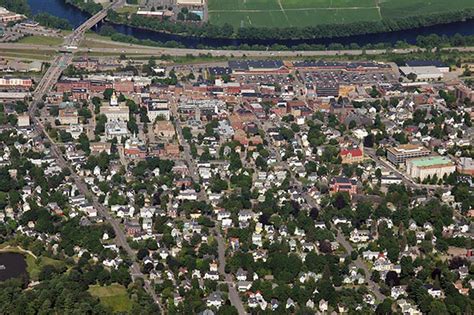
(436, 293)
(214, 300)
(241, 274)
(243, 286)
(359, 236)
(132, 228)
(323, 305)
(257, 239)
(407, 308)
(398, 291)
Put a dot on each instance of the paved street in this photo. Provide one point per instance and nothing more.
(157, 51)
(49, 79)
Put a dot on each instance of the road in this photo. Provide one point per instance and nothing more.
(409, 182)
(340, 238)
(47, 82)
(140, 50)
(234, 297)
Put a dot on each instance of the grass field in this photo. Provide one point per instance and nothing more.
(42, 40)
(301, 13)
(114, 296)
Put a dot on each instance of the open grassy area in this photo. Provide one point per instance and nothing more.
(25, 55)
(128, 9)
(41, 40)
(114, 296)
(34, 266)
(300, 13)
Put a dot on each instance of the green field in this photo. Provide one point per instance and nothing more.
(41, 40)
(301, 13)
(114, 296)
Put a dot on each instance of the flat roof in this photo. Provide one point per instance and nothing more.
(431, 161)
(408, 148)
(422, 70)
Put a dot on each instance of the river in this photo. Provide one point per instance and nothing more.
(12, 265)
(76, 17)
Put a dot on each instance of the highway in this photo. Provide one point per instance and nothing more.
(47, 82)
(140, 50)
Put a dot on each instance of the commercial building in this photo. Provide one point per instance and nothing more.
(257, 66)
(464, 92)
(68, 116)
(7, 16)
(430, 166)
(10, 82)
(466, 166)
(424, 73)
(158, 108)
(398, 155)
(444, 68)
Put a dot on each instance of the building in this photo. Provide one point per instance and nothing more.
(190, 2)
(23, 120)
(158, 108)
(430, 166)
(7, 16)
(442, 67)
(98, 147)
(257, 66)
(327, 89)
(68, 116)
(115, 112)
(463, 92)
(423, 73)
(398, 155)
(343, 184)
(135, 148)
(9, 82)
(352, 155)
(164, 129)
(116, 129)
(466, 166)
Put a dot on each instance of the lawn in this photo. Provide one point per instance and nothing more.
(114, 296)
(42, 40)
(301, 13)
(34, 266)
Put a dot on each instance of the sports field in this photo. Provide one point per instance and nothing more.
(301, 13)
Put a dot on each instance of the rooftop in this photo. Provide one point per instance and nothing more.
(431, 161)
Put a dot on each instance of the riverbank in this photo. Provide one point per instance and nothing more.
(322, 32)
(400, 39)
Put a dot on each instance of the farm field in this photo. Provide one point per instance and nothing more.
(301, 13)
